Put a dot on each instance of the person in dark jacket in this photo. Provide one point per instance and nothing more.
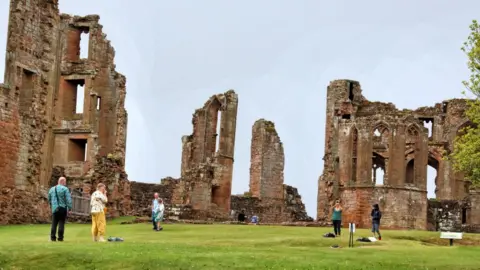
(376, 216)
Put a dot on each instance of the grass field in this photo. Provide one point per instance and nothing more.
(229, 247)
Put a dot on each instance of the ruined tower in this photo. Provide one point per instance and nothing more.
(207, 156)
(267, 161)
(269, 198)
(41, 125)
(364, 140)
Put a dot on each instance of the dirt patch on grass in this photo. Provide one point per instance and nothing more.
(436, 241)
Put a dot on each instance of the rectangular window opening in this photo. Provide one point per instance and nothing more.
(77, 150)
(464, 216)
(350, 92)
(84, 44)
(444, 107)
(73, 95)
(346, 116)
(26, 90)
(99, 102)
(80, 97)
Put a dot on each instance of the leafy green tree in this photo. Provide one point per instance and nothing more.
(466, 154)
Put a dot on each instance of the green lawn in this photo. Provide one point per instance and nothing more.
(229, 247)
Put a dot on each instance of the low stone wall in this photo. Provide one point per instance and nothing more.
(471, 228)
(210, 222)
(402, 208)
(20, 207)
(445, 215)
(268, 210)
(141, 195)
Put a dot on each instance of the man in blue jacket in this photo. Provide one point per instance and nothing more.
(60, 202)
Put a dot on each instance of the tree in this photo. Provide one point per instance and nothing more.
(466, 152)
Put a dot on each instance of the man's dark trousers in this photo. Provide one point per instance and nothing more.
(58, 220)
(153, 221)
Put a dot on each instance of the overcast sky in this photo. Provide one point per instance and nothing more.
(279, 56)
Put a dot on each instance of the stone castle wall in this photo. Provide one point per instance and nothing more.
(41, 127)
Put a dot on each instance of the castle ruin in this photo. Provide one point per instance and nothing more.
(364, 137)
(46, 133)
(41, 128)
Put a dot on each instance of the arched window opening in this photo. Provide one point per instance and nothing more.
(378, 170)
(412, 131)
(432, 176)
(380, 136)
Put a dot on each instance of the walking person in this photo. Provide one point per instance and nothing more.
(60, 202)
(98, 202)
(154, 206)
(376, 216)
(158, 214)
(337, 218)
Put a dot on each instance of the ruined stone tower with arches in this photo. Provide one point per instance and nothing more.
(376, 153)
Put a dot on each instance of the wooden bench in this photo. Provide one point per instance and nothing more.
(451, 236)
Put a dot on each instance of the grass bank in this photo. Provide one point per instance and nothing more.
(229, 247)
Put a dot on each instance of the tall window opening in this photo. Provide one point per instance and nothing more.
(354, 154)
(378, 170)
(80, 98)
(432, 176)
(219, 125)
(26, 91)
(350, 92)
(73, 95)
(410, 172)
(84, 44)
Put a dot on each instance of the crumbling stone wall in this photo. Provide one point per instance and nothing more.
(269, 198)
(288, 208)
(364, 137)
(473, 215)
(267, 161)
(207, 167)
(141, 195)
(39, 125)
(447, 215)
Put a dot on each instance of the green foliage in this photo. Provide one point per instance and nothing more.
(466, 154)
(247, 194)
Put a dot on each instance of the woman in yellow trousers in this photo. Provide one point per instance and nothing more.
(97, 205)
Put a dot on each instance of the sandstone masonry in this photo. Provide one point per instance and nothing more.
(41, 127)
(364, 137)
(268, 198)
